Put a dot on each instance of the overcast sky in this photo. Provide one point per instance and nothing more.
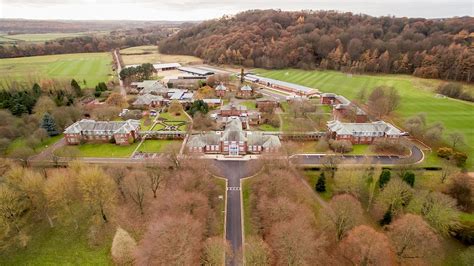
(206, 9)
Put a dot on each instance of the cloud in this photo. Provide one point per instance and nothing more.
(206, 9)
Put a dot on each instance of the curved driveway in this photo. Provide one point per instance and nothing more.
(315, 159)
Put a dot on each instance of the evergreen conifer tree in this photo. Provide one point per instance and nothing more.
(49, 125)
(321, 184)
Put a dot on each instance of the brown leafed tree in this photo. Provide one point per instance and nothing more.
(136, 185)
(117, 99)
(413, 238)
(365, 246)
(171, 240)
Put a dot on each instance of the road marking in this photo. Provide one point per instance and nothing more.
(233, 188)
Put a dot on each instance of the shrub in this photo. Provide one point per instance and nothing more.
(460, 158)
(445, 152)
(386, 145)
(409, 178)
(384, 178)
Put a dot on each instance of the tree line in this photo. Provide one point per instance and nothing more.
(88, 43)
(430, 48)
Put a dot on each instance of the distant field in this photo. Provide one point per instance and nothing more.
(417, 97)
(150, 54)
(92, 67)
(41, 37)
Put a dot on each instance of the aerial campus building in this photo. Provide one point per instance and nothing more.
(87, 130)
(233, 141)
(282, 85)
(363, 133)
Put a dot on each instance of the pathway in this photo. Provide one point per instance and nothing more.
(119, 68)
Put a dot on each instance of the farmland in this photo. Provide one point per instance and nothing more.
(150, 54)
(38, 38)
(417, 97)
(91, 67)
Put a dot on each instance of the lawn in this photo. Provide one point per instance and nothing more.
(249, 104)
(363, 149)
(220, 210)
(417, 97)
(267, 127)
(91, 67)
(172, 117)
(150, 54)
(20, 142)
(156, 146)
(246, 191)
(60, 245)
(106, 150)
(312, 177)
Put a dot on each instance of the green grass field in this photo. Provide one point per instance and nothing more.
(156, 145)
(60, 245)
(106, 150)
(417, 97)
(20, 143)
(92, 67)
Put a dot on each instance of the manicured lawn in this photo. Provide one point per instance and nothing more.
(146, 127)
(361, 149)
(156, 146)
(417, 97)
(58, 246)
(246, 191)
(220, 210)
(312, 177)
(92, 67)
(172, 117)
(249, 104)
(150, 54)
(467, 217)
(106, 150)
(267, 127)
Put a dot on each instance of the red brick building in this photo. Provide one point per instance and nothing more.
(362, 133)
(121, 132)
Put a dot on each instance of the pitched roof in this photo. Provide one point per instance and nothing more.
(246, 88)
(378, 128)
(221, 87)
(103, 127)
(147, 99)
(196, 71)
(233, 131)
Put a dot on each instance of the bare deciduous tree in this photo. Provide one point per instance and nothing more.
(365, 246)
(257, 252)
(171, 241)
(413, 238)
(345, 212)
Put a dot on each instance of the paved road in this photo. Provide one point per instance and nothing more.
(234, 171)
(310, 159)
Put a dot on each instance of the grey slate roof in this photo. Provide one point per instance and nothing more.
(221, 87)
(246, 88)
(196, 71)
(378, 128)
(103, 127)
(147, 99)
(166, 65)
